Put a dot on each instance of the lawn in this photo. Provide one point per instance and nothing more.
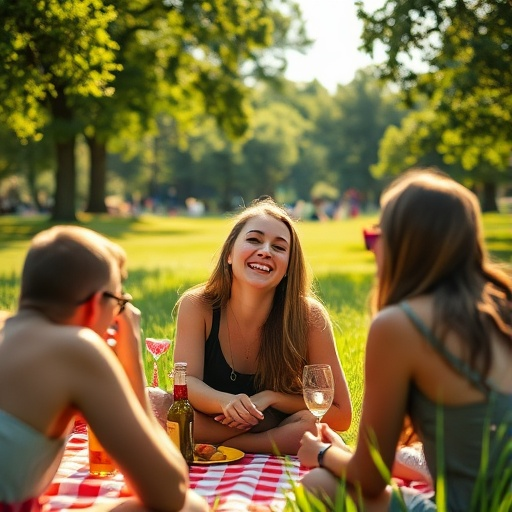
(166, 255)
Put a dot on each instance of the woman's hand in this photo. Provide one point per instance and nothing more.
(310, 446)
(328, 435)
(240, 413)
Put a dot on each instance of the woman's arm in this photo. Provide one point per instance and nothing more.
(322, 349)
(388, 366)
(283, 402)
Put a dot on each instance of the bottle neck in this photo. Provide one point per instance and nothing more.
(180, 392)
(180, 386)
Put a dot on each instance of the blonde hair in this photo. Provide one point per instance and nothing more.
(284, 336)
(66, 265)
(432, 242)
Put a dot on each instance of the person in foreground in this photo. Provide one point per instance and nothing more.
(55, 364)
(246, 335)
(439, 349)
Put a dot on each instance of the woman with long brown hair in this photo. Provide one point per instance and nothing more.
(246, 335)
(439, 351)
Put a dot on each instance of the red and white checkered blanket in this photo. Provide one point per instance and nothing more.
(254, 479)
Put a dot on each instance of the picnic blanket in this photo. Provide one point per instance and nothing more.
(254, 479)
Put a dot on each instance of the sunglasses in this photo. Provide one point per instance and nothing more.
(121, 301)
(371, 235)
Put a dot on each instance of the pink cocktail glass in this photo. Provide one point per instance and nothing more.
(156, 347)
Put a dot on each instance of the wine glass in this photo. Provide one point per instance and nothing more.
(318, 387)
(156, 347)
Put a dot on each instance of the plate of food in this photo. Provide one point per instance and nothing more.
(211, 454)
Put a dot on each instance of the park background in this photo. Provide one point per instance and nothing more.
(167, 106)
(153, 120)
(166, 255)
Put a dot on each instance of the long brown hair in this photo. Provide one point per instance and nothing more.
(432, 242)
(283, 349)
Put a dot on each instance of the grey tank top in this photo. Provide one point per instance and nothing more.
(466, 429)
(28, 460)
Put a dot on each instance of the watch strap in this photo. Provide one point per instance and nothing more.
(321, 455)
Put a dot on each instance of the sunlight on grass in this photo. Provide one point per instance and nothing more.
(167, 255)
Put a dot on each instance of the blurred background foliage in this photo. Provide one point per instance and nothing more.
(140, 105)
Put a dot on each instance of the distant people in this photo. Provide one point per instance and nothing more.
(353, 200)
(246, 335)
(195, 207)
(55, 364)
(439, 351)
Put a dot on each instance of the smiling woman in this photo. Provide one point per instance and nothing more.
(246, 335)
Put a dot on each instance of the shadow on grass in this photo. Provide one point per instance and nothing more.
(16, 229)
(24, 228)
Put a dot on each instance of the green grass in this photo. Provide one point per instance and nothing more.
(166, 255)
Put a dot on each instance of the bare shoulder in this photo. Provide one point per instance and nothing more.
(79, 341)
(391, 327)
(193, 298)
(388, 318)
(194, 314)
(318, 315)
(63, 354)
(192, 304)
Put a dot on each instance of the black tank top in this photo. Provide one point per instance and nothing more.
(217, 371)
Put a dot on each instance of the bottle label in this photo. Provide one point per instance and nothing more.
(173, 431)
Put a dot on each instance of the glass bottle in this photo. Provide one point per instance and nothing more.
(100, 463)
(180, 418)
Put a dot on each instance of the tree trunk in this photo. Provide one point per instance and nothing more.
(98, 176)
(226, 192)
(31, 176)
(65, 174)
(489, 198)
(65, 181)
(32, 187)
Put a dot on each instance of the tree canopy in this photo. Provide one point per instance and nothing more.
(91, 66)
(466, 48)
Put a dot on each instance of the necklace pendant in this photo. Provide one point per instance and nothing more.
(232, 376)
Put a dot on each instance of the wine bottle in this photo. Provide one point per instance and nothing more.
(180, 418)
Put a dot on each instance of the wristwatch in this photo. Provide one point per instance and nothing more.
(321, 455)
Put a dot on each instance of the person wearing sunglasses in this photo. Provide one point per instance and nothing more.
(438, 357)
(121, 301)
(55, 364)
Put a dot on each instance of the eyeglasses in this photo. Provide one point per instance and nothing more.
(121, 301)
(371, 235)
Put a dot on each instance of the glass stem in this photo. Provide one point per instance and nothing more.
(155, 375)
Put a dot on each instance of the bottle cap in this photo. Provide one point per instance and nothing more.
(180, 366)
